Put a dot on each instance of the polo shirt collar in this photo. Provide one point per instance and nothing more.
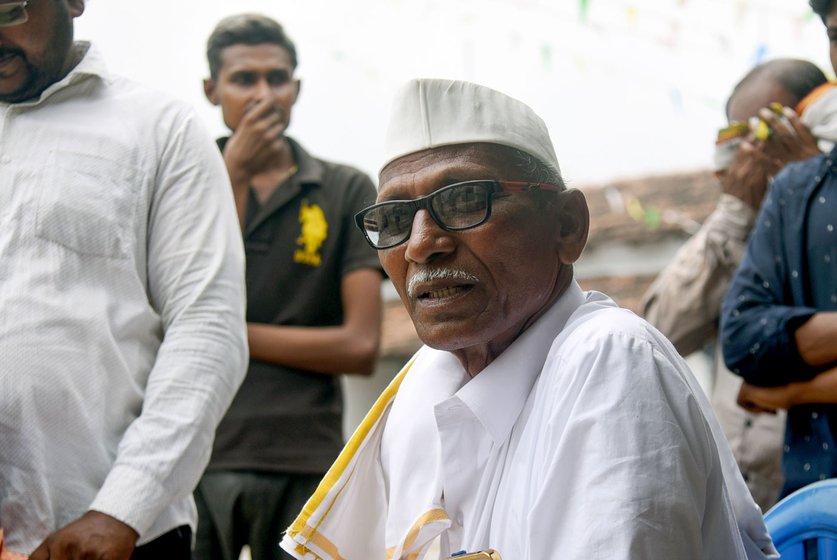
(310, 174)
(496, 396)
(310, 170)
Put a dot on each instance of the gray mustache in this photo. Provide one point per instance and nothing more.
(11, 51)
(431, 274)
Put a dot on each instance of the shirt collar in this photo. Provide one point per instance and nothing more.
(311, 171)
(92, 64)
(497, 394)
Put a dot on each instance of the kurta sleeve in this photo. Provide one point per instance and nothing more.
(630, 468)
(758, 318)
(684, 302)
(195, 281)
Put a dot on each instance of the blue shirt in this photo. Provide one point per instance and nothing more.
(789, 272)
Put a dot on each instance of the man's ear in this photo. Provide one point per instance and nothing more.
(211, 91)
(76, 7)
(574, 224)
(298, 86)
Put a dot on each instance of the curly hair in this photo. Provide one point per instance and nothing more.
(247, 29)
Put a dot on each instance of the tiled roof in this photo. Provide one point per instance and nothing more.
(648, 209)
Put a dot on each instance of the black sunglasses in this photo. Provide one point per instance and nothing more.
(13, 13)
(455, 207)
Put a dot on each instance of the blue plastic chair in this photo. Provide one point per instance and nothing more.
(804, 524)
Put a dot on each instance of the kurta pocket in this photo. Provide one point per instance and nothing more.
(88, 204)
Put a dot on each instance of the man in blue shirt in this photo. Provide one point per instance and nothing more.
(779, 319)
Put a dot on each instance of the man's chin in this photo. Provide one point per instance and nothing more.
(28, 91)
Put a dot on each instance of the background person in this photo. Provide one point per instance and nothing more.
(121, 301)
(313, 287)
(684, 301)
(779, 319)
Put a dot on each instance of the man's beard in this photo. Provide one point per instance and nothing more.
(36, 80)
(44, 73)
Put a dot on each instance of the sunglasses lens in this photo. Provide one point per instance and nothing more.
(464, 205)
(388, 224)
(13, 14)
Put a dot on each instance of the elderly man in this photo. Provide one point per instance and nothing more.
(122, 334)
(539, 421)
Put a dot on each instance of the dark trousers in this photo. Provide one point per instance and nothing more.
(174, 545)
(237, 508)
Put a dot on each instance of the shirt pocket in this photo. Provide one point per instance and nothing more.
(88, 204)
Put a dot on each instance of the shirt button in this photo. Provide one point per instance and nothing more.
(5, 160)
(814, 415)
(806, 467)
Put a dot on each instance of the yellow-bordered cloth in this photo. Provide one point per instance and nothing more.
(354, 488)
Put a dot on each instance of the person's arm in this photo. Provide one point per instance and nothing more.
(195, 282)
(816, 339)
(684, 301)
(110, 538)
(254, 147)
(822, 389)
(757, 323)
(351, 347)
(629, 468)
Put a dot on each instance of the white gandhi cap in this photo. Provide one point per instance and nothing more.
(429, 113)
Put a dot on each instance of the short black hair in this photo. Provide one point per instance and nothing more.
(821, 7)
(247, 29)
(799, 77)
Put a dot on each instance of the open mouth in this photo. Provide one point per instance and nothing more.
(444, 293)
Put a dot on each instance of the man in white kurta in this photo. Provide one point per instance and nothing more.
(540, 421)
(593, 443)
(122, 333)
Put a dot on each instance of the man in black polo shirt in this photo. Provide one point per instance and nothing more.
(313, 287)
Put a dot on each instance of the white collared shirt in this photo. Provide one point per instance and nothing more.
(122, 332)
(588, 438)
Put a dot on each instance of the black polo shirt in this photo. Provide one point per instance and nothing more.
(299, 244)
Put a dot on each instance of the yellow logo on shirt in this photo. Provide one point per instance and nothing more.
(314, 232)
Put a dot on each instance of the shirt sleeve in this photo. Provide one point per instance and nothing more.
(757, 321)
(684, 302)
(195, 278)
(630, 468)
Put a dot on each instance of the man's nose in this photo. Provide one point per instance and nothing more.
(428, 240)
(263, 90)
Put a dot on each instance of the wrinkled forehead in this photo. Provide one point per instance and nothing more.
(425, 171)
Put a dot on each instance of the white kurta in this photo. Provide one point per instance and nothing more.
(590, 444)
(122, 330)
(588, 438)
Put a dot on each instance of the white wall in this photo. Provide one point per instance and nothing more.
(627, 87)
